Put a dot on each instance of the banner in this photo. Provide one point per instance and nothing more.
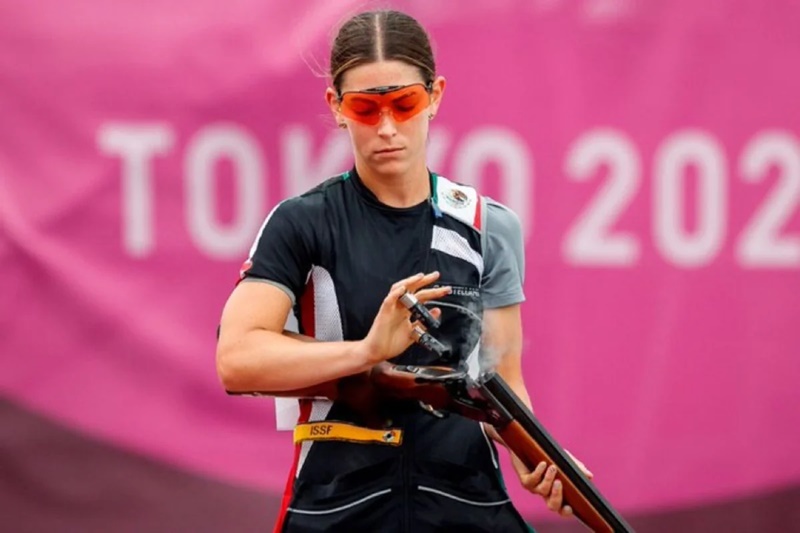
(651, 151)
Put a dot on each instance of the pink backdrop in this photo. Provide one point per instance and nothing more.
(650, 148)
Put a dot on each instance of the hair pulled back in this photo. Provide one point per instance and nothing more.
(382, 35)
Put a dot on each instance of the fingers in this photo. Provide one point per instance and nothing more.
(521, 470)
(424, 281)
(532, 480)
(556, 498)
(553, 491)
(435, 313)
(586, 471)
(417, 332)
(394, 295)
(426, 295)
(542, 481)
(412, 283)
(555, 502)
(545, 487)
(405, 282)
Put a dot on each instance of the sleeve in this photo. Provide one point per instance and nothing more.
(283, 251)
(504, 257)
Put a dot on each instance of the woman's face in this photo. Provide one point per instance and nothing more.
(391, 147)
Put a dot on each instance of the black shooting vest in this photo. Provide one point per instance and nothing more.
(444, 475)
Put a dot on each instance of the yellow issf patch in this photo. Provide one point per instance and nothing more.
(346, 432)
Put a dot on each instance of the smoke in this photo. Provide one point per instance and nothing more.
(488, 357)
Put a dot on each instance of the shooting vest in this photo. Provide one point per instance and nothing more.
(421, 472)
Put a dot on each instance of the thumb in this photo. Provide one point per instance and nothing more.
(588, 473)
(519, 466)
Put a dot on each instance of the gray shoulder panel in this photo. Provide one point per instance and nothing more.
(504, 257)
(281, 286)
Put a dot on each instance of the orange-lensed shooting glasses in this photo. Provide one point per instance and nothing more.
(402, 101)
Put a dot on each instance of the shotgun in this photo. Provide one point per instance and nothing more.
(489, 399)
(486, 398)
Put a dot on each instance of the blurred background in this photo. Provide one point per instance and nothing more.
(650, 147)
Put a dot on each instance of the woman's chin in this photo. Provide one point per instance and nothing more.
(390, 167)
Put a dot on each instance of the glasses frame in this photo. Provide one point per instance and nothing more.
(382, 90)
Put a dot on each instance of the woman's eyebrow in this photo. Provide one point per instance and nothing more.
(402, 96)
(362, 99)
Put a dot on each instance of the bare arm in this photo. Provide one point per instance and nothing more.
(253, 354)
(503, 333)
(502, 337)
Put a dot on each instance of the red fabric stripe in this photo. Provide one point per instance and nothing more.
(243, 271)
(307, 309)
(307, 328)
(477, 222)
(305, 414)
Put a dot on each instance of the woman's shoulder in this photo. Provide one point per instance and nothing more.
(500, 217)
(314, 200)
(467, 204)
(458, 200)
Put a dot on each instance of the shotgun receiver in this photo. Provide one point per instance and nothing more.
(488, 398)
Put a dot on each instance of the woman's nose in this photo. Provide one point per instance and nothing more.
(386, 125)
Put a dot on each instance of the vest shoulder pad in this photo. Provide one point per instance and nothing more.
(461, 202)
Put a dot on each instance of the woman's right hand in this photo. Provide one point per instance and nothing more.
(392, 330)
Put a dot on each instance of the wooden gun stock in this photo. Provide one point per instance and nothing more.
(531, 454)
(490, 399)
(529, 441)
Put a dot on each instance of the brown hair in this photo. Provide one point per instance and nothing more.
(381, 35)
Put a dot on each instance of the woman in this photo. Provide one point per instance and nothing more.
(339, 258)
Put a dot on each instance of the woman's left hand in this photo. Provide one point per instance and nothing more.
(542, 481)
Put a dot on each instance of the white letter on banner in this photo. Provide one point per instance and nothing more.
(136, 144)
(510, 152)
(590, 240)
(301, 173)
(210, 144)
(672, 158)
(761, 244)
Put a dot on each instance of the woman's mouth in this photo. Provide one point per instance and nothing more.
(388, 151)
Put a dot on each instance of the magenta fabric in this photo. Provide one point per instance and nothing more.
(650, 149)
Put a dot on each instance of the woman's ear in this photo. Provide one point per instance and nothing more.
(333, 103)
(437, 92)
